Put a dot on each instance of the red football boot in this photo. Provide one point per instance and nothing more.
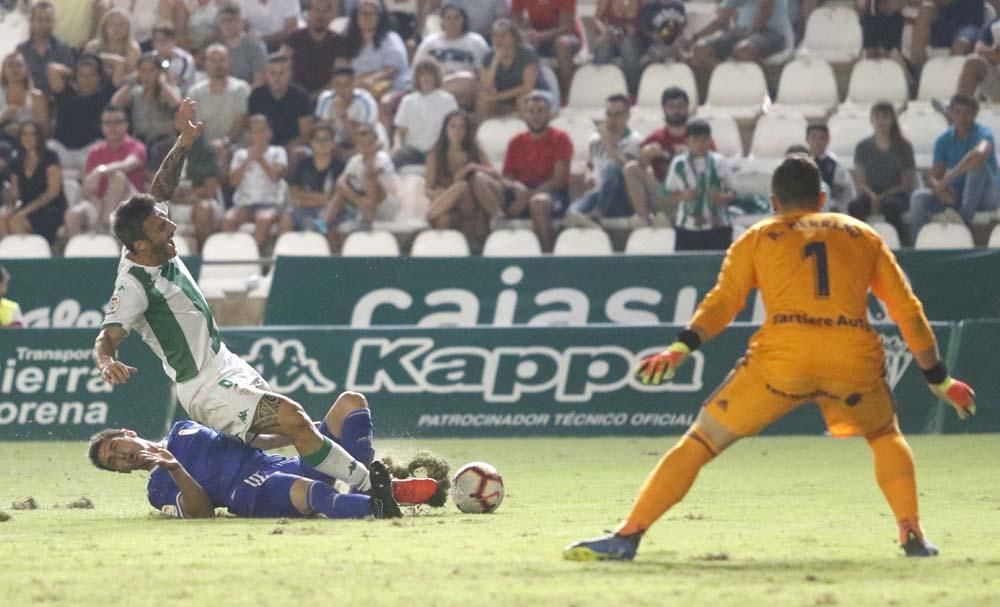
(413, 490)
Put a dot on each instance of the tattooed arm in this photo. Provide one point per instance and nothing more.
(169, 173)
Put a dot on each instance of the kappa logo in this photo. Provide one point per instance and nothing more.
(897, 358)
(286, 366)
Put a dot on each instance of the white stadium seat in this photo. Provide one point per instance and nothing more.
(370, 243)
(24, 246)
(495, 133)
(937, 235)
(832, 34)
(888, 233)
(922, 128)
(725, 134)
(774, 133)
(807, 86)
(440, 243)
(736, 88)
(659, 76)
(592, 84)
(846, 130)
(183, 246)
(71, 191)
(93, 245)
(582, 242)
(229, 247)
(994, 242)
(651, 241)
(512, 243)
(875, 80)
(302, 244)
(580, 129)
(938, 80)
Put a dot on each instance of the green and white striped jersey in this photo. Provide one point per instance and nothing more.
(166, 307)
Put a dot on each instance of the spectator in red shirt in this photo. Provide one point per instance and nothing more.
(645, 176)
(536, 170)
(314, 48)
(551, 28)
(114, 171)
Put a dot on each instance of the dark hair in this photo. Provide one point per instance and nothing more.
(344, 70)
(674, 92)
(966, 100)
(38, 6)
(111, 108)
(797, 148)
(166, 28)
(354, 40)
(817, 126)
(91, 60)
(461, 10)
(427, 66)
(796, 181)
(618, 98)
(40, 136)
(127, 219)
(469, 145)
(322, 126)
(510, 26)
(278, 58)
(95, 445)
(698, 127)
(899, 146)
(230, 8)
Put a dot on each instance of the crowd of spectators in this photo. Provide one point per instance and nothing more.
(313, 109)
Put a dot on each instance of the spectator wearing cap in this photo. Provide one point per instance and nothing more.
(536, 170)
(698, 184)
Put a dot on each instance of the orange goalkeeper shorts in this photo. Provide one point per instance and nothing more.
(748, 401)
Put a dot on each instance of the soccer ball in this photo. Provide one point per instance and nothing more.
(477, 488)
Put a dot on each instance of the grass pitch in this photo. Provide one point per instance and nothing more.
(774, 521)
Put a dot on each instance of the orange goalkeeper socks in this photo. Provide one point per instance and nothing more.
(669, 482)
(897, 479)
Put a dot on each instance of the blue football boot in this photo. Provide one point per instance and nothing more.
(610, 547)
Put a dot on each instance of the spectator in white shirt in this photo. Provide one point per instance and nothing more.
(257, 173)
(458, 51)
(180, 64)
(345, 104)
(368, 184)
(420, 115)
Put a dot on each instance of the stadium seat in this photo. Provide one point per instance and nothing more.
(888, 233)
(753, 175)
(937, 235)
(512, 243)
(548, 74)
(807, 86)
(440, 243)
(994, 242)
(495, 133)
(580, 129)
(591, 86)
(183, 246)
(371, 243)
(645, 122)
(736, 88)
(302, 244)
(24, 246)
(922, 128)
(71, 191)
(832, 34)
(658, 76)
(725, 134)
(774, 133)
(938, 80)
(651, 241)
(217, 279)
(93, 245)
(846, 130)
(582, 242)
(875, 80)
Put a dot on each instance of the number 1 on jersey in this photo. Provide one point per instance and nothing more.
(817, 250)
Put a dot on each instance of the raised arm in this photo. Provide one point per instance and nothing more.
(169, 173)
(194, 502)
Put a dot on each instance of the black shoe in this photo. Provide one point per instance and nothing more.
(383, 502)
(918, 546)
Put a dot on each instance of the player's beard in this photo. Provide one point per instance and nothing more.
(162, 251)
(676, 120)
(538, 131)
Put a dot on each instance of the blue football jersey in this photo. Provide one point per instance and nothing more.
(215, 460)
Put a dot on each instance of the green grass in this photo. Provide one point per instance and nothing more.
(799, 520)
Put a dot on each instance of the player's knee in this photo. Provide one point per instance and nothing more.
(351, 401)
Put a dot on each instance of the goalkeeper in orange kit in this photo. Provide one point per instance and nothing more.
(814, 271)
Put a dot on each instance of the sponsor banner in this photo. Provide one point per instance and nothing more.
(50, 389)
(527, 381)
(559, 291)
(67, 292)
(975, 361)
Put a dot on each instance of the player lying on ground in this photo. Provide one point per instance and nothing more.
(814, 271)
(156, 296)
(196, 470)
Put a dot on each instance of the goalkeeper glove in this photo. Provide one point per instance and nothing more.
(955, 392)
(661, 367)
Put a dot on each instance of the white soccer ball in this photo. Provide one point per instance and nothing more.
(477, 488)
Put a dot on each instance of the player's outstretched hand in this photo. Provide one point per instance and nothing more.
(117, 372)
(159, 456)
(958, 394)
(661, 367)
(186, 122)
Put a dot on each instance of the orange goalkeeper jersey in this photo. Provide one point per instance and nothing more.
(814, 271)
